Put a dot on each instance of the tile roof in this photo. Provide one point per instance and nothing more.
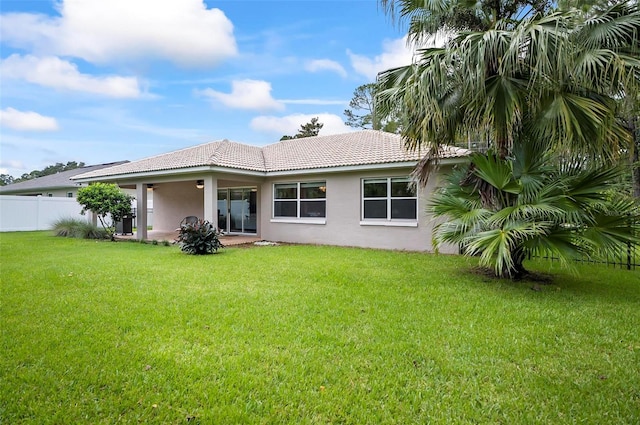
(366, 147)
(340, 150)
(54, 181)
(222, 153)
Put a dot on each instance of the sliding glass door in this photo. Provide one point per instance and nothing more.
(237, 210)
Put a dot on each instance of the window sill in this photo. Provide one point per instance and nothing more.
(300, 220)
(389, 223)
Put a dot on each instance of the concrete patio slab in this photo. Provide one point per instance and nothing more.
(227, 240)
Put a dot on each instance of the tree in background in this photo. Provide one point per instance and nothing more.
(309, 129)
(49, 170)
(106, 201)
(363, 114)
(5, 179)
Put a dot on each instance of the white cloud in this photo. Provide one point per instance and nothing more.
(26, 121)
(395, 53)
(54, 72)
(290, 124)
(325, 65)
(183, 31)
(246, 94)
(313, 102)
(11, 163)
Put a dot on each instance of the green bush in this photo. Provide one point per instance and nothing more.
(75, 228)
(105, 200)
(199, 238)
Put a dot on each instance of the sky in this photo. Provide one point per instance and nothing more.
(102, 81)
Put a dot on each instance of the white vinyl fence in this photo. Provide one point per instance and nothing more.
(22, 213)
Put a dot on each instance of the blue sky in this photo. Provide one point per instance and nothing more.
(101, 81)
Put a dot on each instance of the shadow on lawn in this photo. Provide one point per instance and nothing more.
(615, 286)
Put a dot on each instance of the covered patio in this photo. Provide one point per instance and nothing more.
(171, 236)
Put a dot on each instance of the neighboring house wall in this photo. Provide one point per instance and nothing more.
(60, 193)
(49, 192)
(23, 213)
(343, 224)
(63, 193)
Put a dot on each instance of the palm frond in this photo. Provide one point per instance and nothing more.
(613, 27)
(495, 171)
(496, 246)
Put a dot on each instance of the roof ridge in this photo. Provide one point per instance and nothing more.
(179, 150)
(217, 152)
(333, 135)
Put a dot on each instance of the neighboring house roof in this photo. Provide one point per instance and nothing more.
(366, 147)
(61, 180)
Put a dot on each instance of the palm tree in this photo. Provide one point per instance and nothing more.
(540, 84)
(431, 16)
(555, 76)
(540, 205)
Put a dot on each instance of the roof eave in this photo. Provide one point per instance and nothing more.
(359, 167)
(256, 173)
(162, 173)
(39, 189)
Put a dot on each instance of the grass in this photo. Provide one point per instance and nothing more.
(103, 333)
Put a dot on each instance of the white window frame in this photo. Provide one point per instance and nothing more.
(297, 218)
(388, 221)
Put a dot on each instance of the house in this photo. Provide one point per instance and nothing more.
(54, 185)
(347, 189)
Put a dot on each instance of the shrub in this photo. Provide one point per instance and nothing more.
(199, 238)
(75, 228)
(104, 200)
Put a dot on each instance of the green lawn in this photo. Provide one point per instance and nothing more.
(105, 333)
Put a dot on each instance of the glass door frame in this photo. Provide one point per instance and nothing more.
(246, 217)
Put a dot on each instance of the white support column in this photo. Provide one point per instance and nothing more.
(211, 200)
(141, 205)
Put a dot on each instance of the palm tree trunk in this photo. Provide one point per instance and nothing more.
(502, 145)
(635, 159)
(518, 257)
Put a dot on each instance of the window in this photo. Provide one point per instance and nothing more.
(389, 199)
(300, 200)
(69, 194)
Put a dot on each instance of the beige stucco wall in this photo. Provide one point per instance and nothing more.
(174, 201)
(343, 217)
